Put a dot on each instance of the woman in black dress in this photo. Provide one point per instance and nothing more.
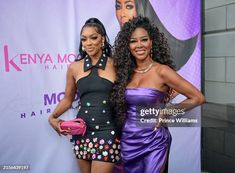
(93, 76)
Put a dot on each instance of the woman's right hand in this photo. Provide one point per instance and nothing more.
(55, 123)
(65, 103)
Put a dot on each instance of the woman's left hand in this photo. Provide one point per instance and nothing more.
(160, 117)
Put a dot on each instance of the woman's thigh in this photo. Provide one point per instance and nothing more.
(85, 166)
(101, 167)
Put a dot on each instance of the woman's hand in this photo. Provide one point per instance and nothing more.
(173, 94)
(55, 123)
(161, 116)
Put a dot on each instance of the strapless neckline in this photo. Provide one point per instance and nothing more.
(143, 88)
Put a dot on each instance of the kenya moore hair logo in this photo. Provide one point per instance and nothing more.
(19, 61)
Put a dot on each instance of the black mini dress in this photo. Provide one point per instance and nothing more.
(101, 141)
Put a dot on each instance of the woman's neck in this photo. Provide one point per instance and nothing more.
(142, 64)
(96, 57)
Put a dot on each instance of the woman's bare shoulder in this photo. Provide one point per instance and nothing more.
(162, 69)
(76, 64)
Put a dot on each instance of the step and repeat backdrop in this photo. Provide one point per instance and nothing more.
(39, 39)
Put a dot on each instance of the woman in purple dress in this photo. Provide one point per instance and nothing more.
(146, 77)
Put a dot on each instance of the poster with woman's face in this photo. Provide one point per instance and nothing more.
(181, 48)
(125, 10)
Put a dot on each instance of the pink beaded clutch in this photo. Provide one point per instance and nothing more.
(76, 126)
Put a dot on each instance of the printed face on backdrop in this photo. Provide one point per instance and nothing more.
(125, 11)
(91, 41)
(140, 44)
(180, 50)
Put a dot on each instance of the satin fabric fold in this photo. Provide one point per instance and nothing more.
(143, 149)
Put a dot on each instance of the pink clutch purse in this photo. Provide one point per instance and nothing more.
(76, 126)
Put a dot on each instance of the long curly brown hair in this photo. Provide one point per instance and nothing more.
(125, 63)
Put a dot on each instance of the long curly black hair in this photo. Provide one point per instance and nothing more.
(125, 63)
(98, 25)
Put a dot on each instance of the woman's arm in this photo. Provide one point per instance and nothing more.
(193, 96)
(65, 103)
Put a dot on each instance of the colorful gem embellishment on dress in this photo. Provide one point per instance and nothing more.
(76, 147)
(110, 141)
(101, 141)
(99, 157)
(111, 151)
(104, 153)
(97, 149)
(90, 145)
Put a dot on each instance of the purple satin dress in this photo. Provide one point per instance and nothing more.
(143, 149)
